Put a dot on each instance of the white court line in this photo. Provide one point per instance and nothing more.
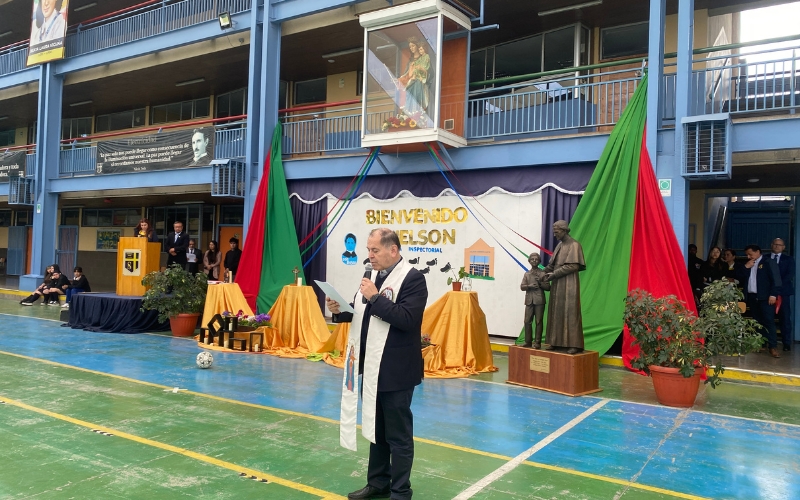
(516, 461)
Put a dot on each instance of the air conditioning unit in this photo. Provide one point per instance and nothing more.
(20, 191)
(228, 178)
(706, 147)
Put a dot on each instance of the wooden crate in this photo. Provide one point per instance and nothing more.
(554, 371)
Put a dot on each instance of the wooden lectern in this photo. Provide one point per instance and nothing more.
(135, 258)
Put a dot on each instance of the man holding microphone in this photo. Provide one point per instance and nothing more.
(385, 340)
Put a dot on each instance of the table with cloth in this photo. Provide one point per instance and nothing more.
(224, 297)
(299, 324)
(459, 338)
(460, 344)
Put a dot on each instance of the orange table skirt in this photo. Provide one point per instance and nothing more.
(297, 317)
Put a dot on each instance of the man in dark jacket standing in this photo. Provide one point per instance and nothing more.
(762, 281)
(388, 316)
(176, 243)
(786, 268)
(233, 256)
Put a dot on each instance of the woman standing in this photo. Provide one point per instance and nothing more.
(145, 230)
(714, 268)
(211, 261)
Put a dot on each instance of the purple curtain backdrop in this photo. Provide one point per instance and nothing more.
(306, 216)
(556, 205)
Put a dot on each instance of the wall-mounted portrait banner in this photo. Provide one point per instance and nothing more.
(438, 236)
(48, 31)
(164, 151)
(12, 164)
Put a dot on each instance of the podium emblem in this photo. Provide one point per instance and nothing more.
(131, 262)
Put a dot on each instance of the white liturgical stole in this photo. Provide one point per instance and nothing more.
(376, 341)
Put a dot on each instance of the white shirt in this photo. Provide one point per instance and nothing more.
(752, 283)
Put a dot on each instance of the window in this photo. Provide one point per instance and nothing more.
(283, 98)
(105, 217)
(232, 103)
(311, 91)
(177, 111)
(7, 137)
(24, 218)
(518, 58)
(120, 121)
(232, 214)
(6, 217)
(559, 49)
(624, 41)
(70, 216)
(72, 128)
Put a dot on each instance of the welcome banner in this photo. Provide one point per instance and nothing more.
(437, 232)
(48, 31)
(165, 151)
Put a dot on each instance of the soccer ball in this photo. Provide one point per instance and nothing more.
(204, 360)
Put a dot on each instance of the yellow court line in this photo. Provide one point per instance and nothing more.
(336, 422)
(174, 449)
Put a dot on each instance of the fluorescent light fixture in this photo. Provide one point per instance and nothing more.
(225, 21)
(332, 55)
(570, 7)
(84, 7)
(5, 34)
(4, 117)
(190, 82)
(753, 180)
(188, 202)
(81, 103)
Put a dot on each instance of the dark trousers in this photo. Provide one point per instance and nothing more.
(533, 311)
(785, 317)
(391, 457)
(765, 315)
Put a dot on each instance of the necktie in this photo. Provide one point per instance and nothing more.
(777, 258)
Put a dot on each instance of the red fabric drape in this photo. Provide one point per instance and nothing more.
(249, 275)
(657, 263)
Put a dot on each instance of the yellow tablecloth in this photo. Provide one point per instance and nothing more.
(337, 342)
(298, 318)
(224, 297)
(457, 327)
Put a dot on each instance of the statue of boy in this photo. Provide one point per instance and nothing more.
(533, 285)
(564, 321)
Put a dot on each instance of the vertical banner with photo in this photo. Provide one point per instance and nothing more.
(12, 164)
(48, 31)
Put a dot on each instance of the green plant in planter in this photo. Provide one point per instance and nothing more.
(670, 335)
(462, 275)
(174, 291)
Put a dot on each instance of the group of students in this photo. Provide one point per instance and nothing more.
(181, 250)
(55, 285)
(719, 265)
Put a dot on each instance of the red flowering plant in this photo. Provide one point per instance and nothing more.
(670, 335)
(404, 121)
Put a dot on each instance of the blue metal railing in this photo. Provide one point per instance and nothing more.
(13, 60)
(30, 164)
(149, 23)
(230, 142)
(77, 161)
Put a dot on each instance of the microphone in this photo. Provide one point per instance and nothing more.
(368, 275)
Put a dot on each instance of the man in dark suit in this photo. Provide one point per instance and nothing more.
(786, 268)
(401, 365)
(193, 257)
(177, 243)
(762, 281)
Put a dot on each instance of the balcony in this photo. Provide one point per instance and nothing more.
(141, 21)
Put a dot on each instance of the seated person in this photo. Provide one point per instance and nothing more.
(32, 298)
(79, 284)
(58, 286)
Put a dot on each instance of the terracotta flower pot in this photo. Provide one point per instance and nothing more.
(672, 388)
(456, 286)
(184, 324)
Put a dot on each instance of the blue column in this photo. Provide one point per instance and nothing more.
(45, 208)
(655, 80)
(678, 203)
(262, 98)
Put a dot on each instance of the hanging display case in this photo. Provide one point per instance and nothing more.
(415, 79)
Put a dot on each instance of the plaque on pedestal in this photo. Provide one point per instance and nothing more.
(569, 374)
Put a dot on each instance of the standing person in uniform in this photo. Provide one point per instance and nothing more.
(233, 256)
(388, 315)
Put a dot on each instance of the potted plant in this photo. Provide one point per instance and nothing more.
(676, 346)
(244, 323)
(457, 279)
(177, 295)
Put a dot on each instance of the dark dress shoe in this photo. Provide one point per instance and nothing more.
(774, 352)
(787, 347)
(368, 492)
(537, 346)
